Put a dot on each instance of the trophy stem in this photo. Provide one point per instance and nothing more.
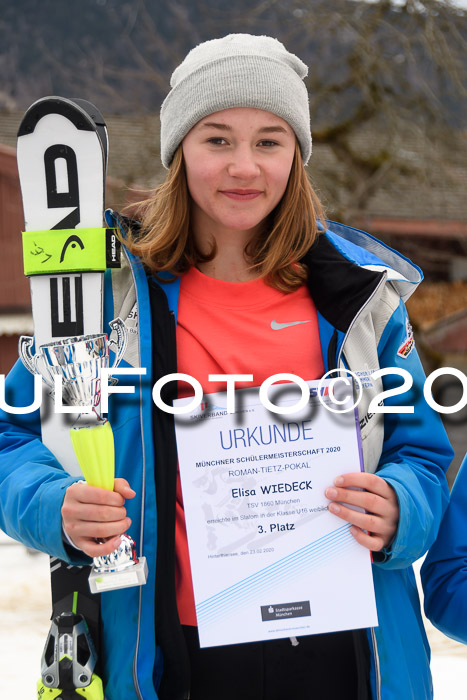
(94, 448)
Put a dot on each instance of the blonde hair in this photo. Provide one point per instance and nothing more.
(166, 242)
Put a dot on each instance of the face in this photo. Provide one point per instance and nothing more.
(237, 163)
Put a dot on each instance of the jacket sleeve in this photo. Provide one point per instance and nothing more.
(416, 451)
(32, 482)
(444, 572)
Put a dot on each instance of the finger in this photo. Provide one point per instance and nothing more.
(372, 539)
(93, 530)
(92, 512)
(370, 482)
(97, 549)
(84, 493)
(365, 521)
(122, 487)
(374, 543)
(360, 499)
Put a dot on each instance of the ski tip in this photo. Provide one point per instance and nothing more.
(71, 109)
(98, 119)
(91, 109)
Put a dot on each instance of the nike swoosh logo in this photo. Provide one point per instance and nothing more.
(279, 326)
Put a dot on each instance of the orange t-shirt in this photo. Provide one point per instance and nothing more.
(237, 328)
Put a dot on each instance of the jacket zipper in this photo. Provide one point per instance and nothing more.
(377, 666)
(338, 360)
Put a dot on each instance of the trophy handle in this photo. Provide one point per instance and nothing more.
(119, 327)
(24, 351)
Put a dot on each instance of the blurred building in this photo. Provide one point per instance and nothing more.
(15, 313)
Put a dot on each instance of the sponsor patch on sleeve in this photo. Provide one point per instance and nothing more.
(409, 343)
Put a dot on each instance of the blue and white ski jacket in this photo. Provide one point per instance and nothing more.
(444, 572)
(358, 285)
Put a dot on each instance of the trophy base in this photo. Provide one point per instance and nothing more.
(135, 575)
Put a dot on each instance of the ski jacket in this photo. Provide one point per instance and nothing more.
(358, 285)
(444, 570)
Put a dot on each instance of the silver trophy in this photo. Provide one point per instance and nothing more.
(78, 362)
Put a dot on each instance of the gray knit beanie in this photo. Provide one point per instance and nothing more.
(239, 70)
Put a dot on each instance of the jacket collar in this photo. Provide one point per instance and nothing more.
(339, 287)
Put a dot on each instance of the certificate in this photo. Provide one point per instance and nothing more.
(268, 559)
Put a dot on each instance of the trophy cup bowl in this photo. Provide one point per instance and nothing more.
(78, 361)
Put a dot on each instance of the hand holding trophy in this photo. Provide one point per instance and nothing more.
(77, 363)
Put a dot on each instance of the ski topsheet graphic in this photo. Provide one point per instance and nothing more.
(62, 158)
(61, 163)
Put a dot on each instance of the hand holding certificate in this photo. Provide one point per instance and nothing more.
(376, 527)
(268, 559)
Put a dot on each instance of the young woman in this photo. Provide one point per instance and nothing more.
(234, 249)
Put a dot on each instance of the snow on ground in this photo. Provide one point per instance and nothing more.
(24, 622)
(25, 607)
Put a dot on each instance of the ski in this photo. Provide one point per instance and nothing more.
(62, 158)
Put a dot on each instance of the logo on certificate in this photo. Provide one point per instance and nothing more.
(285, 610)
